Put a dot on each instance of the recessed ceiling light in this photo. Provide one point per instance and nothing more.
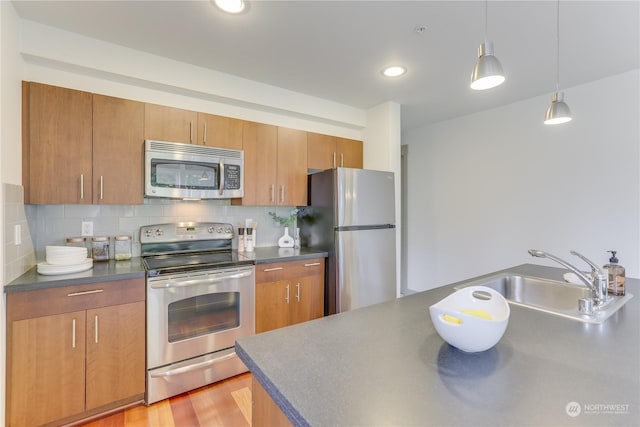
(394, 71)
(230, 6)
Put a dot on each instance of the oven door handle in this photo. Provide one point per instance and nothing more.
(193, 282)
(194, 367)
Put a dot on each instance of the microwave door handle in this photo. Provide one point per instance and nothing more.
(192, 282)
(221, 180)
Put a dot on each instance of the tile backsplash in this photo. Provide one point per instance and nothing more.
(18, 258)
(45, 225)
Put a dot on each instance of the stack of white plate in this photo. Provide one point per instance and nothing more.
(65, 260)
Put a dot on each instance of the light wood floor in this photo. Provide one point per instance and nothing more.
(226, 404)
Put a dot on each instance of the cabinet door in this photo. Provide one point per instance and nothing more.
(118, 137)
(273, 300)
(115, 353)
(321, 151)
(349, 153)
(57, 144)
(219, 131)
(292, 167)
(307, 300)
(169, 124)
(260, 144)
(47, 369)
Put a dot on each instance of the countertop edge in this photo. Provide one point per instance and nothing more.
(292, 414)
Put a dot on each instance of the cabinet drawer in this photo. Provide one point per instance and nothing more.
(64, 299)
(284, 270)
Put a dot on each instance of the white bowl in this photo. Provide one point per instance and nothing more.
(466, 331)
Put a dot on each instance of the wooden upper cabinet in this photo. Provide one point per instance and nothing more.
(118, 138)
(349, 153)
(219, 131)
(260, 144)
(275, 164)
(328, 152)
(321, 151)
(57, 145)
(170, 124)
(292, 167)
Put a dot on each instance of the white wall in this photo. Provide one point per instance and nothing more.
(10, 145)
(485, 188)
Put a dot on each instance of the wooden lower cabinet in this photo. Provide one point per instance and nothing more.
(74, 351)
(288, 293)
(265, 412)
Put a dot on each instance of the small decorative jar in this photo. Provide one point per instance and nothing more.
(78, 242)
(122, 248)
(100, 248)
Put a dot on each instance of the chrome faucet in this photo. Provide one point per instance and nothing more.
(597, 283)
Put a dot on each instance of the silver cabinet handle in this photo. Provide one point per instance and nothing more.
(334, 159)
(298, 292)
(342, 159)
(73, 333)
(312, 264)
(95, 291)
(273, 193)
(190, 131)
(282, 195)
(96, 327)
(195, 366)
(286, 298)
(273, 269)
(204, 134)
(101, 187)
(81, 186)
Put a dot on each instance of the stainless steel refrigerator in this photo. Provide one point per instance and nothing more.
(351, 215)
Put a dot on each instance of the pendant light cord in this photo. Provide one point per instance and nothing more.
(558, 47)
(486, 7)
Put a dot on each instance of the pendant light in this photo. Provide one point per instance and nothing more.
(488, 72)
(558, 112)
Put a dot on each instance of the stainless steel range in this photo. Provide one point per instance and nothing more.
(200, 300)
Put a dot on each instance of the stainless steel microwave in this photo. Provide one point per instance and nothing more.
(188, 171)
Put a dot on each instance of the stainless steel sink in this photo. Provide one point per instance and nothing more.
(546, 295)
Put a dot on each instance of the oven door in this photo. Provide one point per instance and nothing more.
(192, 314)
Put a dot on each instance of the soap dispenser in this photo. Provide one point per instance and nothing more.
(616, 275)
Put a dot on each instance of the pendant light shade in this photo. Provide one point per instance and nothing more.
(558, 112)
(488, 71)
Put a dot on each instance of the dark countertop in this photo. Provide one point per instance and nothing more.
(386, 365)
(120, 270)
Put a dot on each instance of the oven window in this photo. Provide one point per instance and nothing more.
(204, 314)
(183, 174)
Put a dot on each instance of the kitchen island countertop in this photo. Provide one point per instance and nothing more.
(386, 365)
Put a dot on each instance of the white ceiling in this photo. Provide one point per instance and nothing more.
(336, 49)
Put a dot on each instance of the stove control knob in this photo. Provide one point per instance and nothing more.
(228, 229)
(219, 230)
(148, 232)
(159, 232)
(210, 229)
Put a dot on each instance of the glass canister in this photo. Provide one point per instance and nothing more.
(78, 242)
(122, 248)
(100, 248)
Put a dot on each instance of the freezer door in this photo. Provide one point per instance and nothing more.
(365, 267)
(364, 197)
